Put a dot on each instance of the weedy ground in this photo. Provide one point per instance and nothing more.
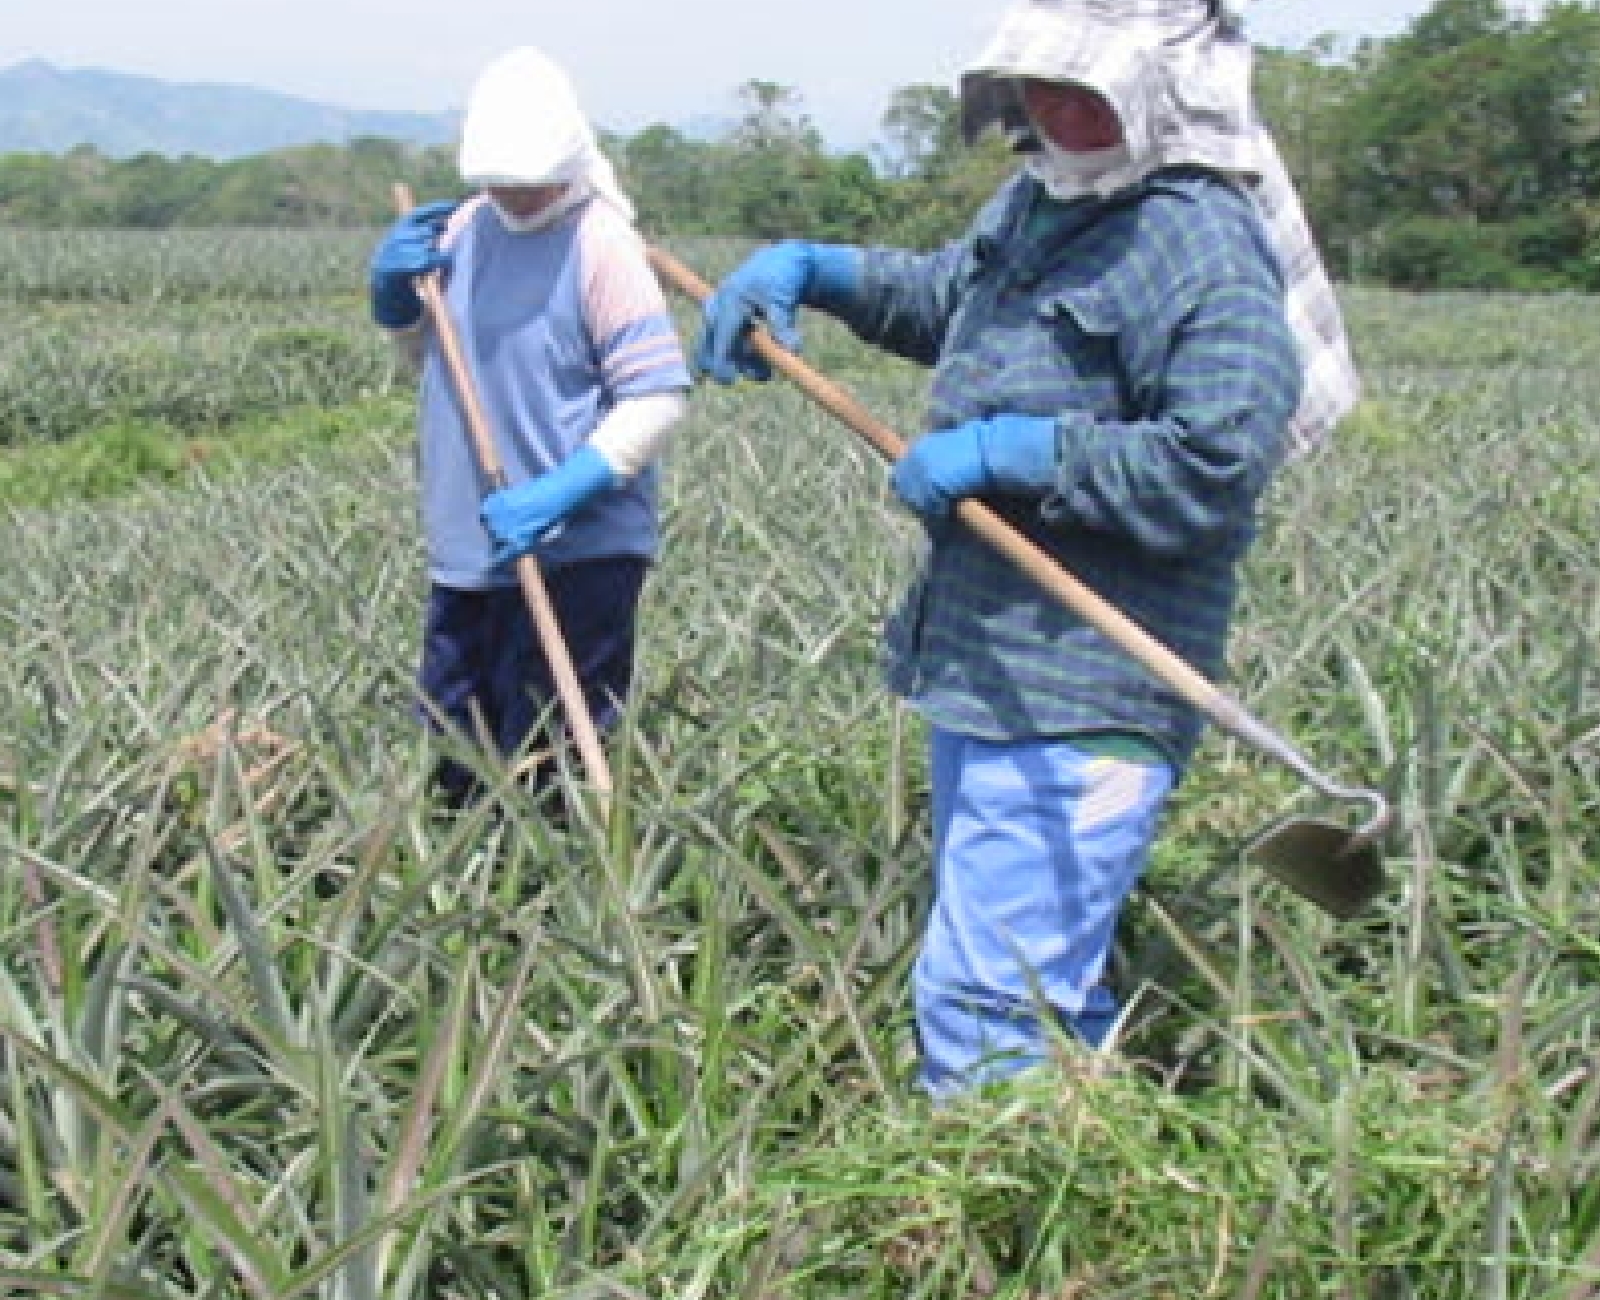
(271, 1026)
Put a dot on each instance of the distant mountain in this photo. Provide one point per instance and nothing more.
(45, 109)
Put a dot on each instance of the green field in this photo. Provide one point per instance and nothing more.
(269, 1030)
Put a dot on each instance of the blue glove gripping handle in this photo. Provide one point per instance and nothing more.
(1005, 453)
(409, 249)
(396, 305)
(519, 518)
(939, 468)
(770, 286)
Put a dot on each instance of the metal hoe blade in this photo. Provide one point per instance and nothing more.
(1339, 870)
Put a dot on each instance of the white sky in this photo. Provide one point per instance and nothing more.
(635, 62)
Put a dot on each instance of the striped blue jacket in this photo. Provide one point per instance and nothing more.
(1151, 326)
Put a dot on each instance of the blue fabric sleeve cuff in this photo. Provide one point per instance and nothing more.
(835, 280)
(1070, 434)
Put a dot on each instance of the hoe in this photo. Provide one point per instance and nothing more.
(1338, 869)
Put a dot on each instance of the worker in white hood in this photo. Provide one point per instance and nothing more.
(524, 132)
(581, 376)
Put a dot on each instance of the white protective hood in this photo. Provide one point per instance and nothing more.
(523, 126)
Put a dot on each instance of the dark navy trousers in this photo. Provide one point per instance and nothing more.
(485, 675)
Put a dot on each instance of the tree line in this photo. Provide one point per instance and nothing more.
(1463, 153)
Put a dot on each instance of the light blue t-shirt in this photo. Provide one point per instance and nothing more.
(558, 325)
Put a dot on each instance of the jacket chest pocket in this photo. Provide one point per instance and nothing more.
(1097, 341)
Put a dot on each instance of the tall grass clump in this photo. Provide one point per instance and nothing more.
(272, 1026)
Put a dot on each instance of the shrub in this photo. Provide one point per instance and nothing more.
(1442, 253)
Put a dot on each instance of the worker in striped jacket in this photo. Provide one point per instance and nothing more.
(1117, 372)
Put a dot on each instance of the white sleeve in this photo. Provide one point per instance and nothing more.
(634, 431)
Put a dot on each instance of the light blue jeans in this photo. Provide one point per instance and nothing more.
(1036, 847)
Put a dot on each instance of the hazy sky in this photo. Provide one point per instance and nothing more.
(635, 62)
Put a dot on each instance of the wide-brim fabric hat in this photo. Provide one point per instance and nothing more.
(1082, 42)
(1178, 74)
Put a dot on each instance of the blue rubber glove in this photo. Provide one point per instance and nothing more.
(411, 248)
(1005, 453)
(771, 285)
(518, 518)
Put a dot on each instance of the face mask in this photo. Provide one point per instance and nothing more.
(1095, 172)
(545, 216)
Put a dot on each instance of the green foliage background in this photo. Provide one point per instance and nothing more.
(1464, 153)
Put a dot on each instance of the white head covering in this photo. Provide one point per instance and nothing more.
(1177, 73)
(523, 126)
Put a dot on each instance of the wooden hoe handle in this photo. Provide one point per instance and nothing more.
(978, 517)
(1111, 622)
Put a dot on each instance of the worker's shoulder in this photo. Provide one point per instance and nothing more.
(1203, 220)
(462, 217)
(605, 235)
(602, 219)
(1195, 199)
